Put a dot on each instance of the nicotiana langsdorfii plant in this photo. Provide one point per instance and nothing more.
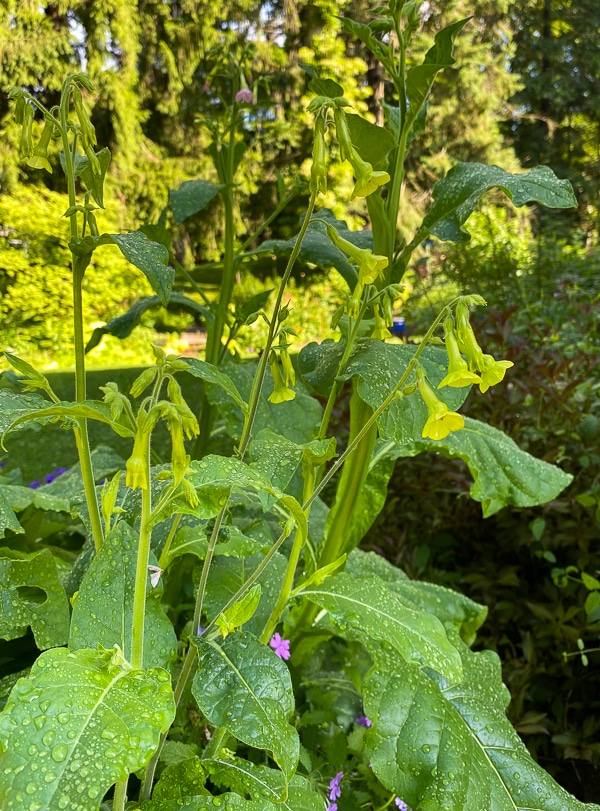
(220, 640)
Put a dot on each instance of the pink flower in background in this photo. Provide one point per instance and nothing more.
(245, 96)
(280, 646)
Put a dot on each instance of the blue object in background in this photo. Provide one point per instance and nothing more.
(398, 327)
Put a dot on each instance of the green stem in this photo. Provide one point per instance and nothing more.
(80, 431)
(164, 555)
(141, 572)
(264, 358)
(120, 795)
(286, 588)
(216, 742)
(205, 569)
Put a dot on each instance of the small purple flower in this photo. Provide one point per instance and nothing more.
(200, 631)
(155, 573)
(335, 791)
(400, 804)
(280, 646)
(332, 807)
(244, 96)
(60, 470)
(3, 464)
(35, 484)
(362, 721)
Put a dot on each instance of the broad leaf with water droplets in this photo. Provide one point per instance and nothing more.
(366, 606)
(103, 609)
(457, 195)
(191, 197)
(503, 474)
(244, 686)
(31, 595)
(443, 746)
(79, 723)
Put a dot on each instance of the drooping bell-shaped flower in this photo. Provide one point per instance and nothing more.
(88, 132)
(367, 179)
(281, 393)
(466, 337)
(370, 265)
(380, 330)
(26, 141)
(39, 157)
(493, 371)
(441, 421)
(459, 374)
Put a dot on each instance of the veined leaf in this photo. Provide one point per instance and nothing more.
(191, 197)
(89, 409)
(298, 419)
(322, 87)
(13, 406)
(447, 605)
(442, 746)
(149, 257)
(103, 609)
(366, 605)
(278, 458)
(123, 325)
(373, 143)
(379, 366)
(319, 250)
(31, 595)
(14, 497)
(231, 802)
(86, 707)
(457, 195)
(420, 78)
(180, 781)
(262, 783)
(244, 686)
(210, 374)
(503, 474)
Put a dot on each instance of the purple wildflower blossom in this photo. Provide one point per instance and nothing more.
(335, 791)
(332, 807)
(280, 646)
(401, 804)
(200, 630)
(362, 721)
(35, 484)
(244, 95)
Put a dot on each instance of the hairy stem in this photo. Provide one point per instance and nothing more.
(141, 572)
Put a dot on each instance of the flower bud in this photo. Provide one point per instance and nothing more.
(318, 172)
(93, 159)
(26, 142)
(141, 383)
(280, 392)
(88, 133)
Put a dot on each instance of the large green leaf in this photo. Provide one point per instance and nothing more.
(103, 609)
(278, 458)
(31, 595)
(230, 802)
(366, 605)
(88, 409)
(181, 780)
(149, 257)
(440, 746)
(228, 574)
(420, 78)
(319, 250)
(210, 374)
(379, 366)
(262, 783)
(191, 197)
(123, 325)
(447, 605)
(244, 686)
(457, 195)
(373, 143)
(79, 723)
(298, 419)
(13, 406)
(14, 498)
(502, 473)
(319, 363)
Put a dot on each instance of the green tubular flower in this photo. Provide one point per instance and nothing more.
(289, 374)
(281, 393)
(39, 157)
(458, 369)
(136, 474)
(367, 180)
(493, 371)
(380, 331)
(88, 133)
(179, 459)
(343, 134)
(441, 421)
(318, 172)
(467, 341)
(93, 159)
(26, 142)
(370, 265)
